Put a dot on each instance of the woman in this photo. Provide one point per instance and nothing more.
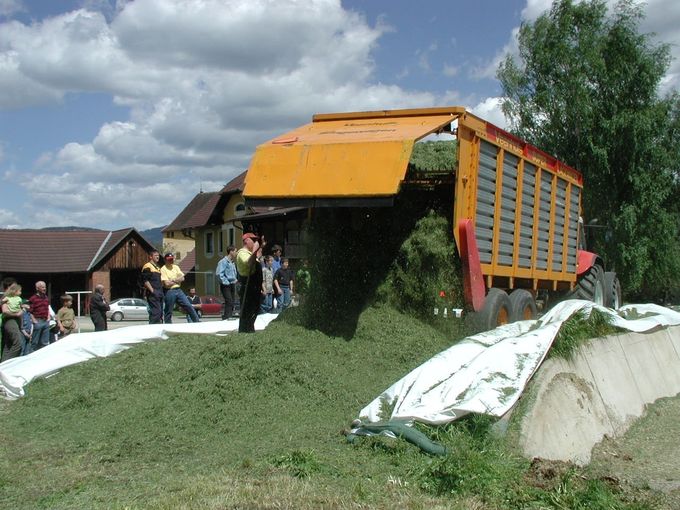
(11, 323)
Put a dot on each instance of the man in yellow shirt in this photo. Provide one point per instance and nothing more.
(171, 277)
(250, 277)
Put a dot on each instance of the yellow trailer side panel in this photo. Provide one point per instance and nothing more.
(340, 158)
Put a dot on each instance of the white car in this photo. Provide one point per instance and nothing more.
(133, 309)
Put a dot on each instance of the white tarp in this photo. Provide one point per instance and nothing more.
(486, 373)
(76, 348)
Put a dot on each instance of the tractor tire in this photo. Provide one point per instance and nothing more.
(494, 313)
(591, 286)
(522, 306)
(612, 291)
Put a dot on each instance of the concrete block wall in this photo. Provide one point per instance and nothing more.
(601, 390)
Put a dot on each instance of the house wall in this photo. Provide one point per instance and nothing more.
(102, 277)
(212, 242)
(174, 241)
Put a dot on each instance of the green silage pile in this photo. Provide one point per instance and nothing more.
(403, 257)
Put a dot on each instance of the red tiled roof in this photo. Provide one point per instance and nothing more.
(55, 251)
(188, 262)
(236, 184)
(197, 213)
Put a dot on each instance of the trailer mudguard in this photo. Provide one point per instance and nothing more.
(473, 280)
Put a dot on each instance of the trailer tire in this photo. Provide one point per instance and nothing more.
(494, 313)
(591, 286)
(522, 305)
(612, 291)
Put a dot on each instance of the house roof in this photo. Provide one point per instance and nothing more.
(58, 251)
(188, 262)
(236, 184)
(196, 213)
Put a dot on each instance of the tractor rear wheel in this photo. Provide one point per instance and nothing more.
(522, 305)
(494, 313)
(612, 291)
(591, 286)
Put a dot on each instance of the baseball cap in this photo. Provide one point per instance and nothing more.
(169, 256)
(249, 235)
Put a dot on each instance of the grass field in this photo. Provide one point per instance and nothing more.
(255, 421)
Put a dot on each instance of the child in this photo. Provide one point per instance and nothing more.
(66, 317)
(13, 297)
(285, 280)
(267, 285)
(26, 328)
(12, 339)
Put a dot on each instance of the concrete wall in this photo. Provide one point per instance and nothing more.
(601, 390)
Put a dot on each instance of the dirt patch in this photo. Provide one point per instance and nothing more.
(547, 474)
(647, 458)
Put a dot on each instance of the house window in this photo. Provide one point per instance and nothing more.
(209, 243)
(239, 210)
(231, 235)
(220, 240)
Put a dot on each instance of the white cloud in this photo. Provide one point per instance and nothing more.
(205, 82)
(10, 7)
(450, 70)
(490, 109)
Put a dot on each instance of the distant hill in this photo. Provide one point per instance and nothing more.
(69, 229)
(154, 236)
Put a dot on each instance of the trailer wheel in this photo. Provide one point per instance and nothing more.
(591, 286)
(612, 291)
(494, 313)
(522, 305)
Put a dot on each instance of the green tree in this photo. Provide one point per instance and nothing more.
(586, 88)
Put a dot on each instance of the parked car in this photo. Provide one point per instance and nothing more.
(211, 305)
(133, 309)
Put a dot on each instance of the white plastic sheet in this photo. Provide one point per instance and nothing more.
(486, 373)
(76, 348)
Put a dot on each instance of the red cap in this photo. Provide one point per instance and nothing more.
(249, 235)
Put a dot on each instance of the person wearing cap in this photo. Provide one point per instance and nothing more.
(250, 277)
(171, 277)
(153, 288)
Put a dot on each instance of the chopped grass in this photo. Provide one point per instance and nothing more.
(257, 421)
(579, 329)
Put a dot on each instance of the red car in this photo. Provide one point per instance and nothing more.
(211, 305)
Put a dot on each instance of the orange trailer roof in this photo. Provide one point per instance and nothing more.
(344, 155)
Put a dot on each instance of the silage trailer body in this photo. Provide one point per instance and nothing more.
(516, 209)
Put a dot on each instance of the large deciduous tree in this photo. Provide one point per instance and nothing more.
(585, 87)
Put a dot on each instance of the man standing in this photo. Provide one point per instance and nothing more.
(250, 278)
(153, 288)
(226, 272)
(98, 309)
(171, 277)
(40, 315)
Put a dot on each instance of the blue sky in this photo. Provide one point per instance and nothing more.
(116, 113)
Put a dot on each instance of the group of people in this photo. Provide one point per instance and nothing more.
(265, 284)
(31, 324)
(162, 289)
(260, 280)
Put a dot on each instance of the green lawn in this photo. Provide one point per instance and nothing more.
(253, 421)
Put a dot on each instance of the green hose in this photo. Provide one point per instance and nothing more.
(400, 430)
